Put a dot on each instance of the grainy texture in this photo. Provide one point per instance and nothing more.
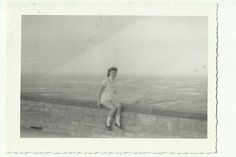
(81, 121)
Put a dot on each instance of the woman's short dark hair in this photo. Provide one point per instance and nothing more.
(111, 69)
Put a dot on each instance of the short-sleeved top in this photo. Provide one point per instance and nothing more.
(109, 92)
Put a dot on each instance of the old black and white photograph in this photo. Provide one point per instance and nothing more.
(114, 76)
(112, 79)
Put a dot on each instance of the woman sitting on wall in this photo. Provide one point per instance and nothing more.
(108, 98)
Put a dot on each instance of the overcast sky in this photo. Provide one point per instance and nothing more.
(136, 45)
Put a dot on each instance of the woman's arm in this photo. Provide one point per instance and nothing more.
(99, 95)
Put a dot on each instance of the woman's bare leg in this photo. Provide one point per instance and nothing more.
(112, 111)
(118, 112)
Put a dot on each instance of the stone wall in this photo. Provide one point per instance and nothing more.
(81, 120)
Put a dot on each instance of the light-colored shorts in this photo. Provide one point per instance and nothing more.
(109, 97)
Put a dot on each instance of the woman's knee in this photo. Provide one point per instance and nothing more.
(118, 105)
(113, 108)
(108, 105)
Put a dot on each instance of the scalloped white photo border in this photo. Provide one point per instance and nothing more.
(108, 145)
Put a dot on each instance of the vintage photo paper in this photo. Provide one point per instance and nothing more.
(111, 78)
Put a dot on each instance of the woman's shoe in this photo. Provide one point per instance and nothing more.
(119, 126)
(108, 127)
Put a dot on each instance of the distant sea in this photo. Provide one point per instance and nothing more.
(184, 93)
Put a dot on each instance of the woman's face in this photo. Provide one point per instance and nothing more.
(113, 74)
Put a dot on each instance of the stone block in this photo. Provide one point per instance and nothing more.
(73, 108)
(88, 119)
(29, 113)
(23, 115)
(50, 130)
(45, 114)
(45, 109)
(75, 123)
(40, 118)
(23, 102)
(63, 125)
(202, 134)
(36, 124)
(143, 119)
(161, 125)
(89, 111)
(59, 119)
(188, 124)
(24, 108)
(71, 127)
(52, 126)
(146, 135)
(167, 125)
(100, 119)
(48, 105)
(75, 115)
(101, 112)
(55, 111)
(188, 134)
(61, 107)
(201, 125)
(83, 131)
(35, 108)
(47, 119)
(98, 131)
(29, 103)
(128, 119)
(141, 129)
(129, 134)
(23, 123)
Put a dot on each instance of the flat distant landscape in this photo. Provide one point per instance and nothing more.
(182, 93)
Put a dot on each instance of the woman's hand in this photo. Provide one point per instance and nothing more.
(99, 104)
(99, 96)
